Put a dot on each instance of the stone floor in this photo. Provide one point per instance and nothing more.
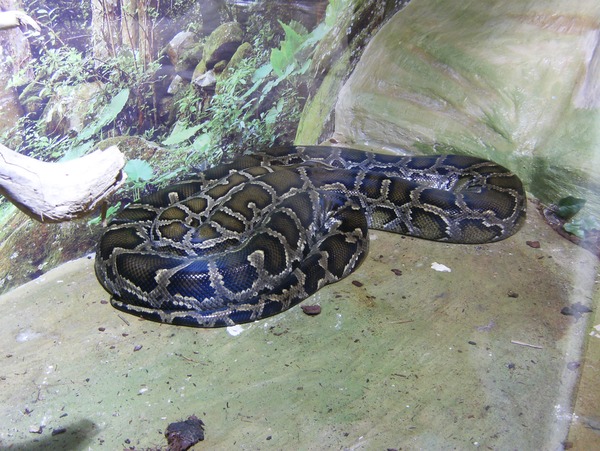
(426, 346)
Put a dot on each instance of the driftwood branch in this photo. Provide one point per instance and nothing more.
(55, 192)
(13, 19)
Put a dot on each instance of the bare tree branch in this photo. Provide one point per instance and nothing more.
(55, 192)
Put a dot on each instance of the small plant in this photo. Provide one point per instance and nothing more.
(581, 226)
(569, 207)
(138, 173)
(283, 60)
(110, 212)
(255, 105)
(181, 133)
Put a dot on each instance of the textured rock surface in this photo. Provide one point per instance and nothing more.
(334, 60)
(184, 51)
(68, 109)
(413, 358)
(222, 43)
(512, 81)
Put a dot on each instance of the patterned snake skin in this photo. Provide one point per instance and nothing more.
(254, 237)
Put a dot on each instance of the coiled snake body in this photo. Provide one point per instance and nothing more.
(251, 238)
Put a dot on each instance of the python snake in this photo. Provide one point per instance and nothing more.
(251, 238)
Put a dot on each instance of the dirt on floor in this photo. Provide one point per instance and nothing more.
(425, 346)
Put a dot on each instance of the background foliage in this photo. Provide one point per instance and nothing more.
(255, 104)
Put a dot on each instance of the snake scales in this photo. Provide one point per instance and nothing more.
(251, 238)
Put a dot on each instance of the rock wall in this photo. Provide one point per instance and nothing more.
(334, 60)
(515, 81)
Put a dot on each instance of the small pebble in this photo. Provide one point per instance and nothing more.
(102, 329)
(312, 310)
(397, 272)
(356, 283)
(533, 244)
(573, 365)
(512, 294)
(137, 348)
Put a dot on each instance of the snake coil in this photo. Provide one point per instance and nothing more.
(251, 238)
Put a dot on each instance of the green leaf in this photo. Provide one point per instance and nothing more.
(284, 56)
(288, 71)
(574, 228)
(295, 34)
(77, 151)
(202, 143)
(116, 105)
(108, 114)
(267, 88)
(110, 212)
(305, 67)
(569, 206)
(280, 61)
(138, 170)
(316, 35)
(579, 227)
(181, 133)
(271, 117)
(262, 72)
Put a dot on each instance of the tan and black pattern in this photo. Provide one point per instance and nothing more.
(251, 238)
